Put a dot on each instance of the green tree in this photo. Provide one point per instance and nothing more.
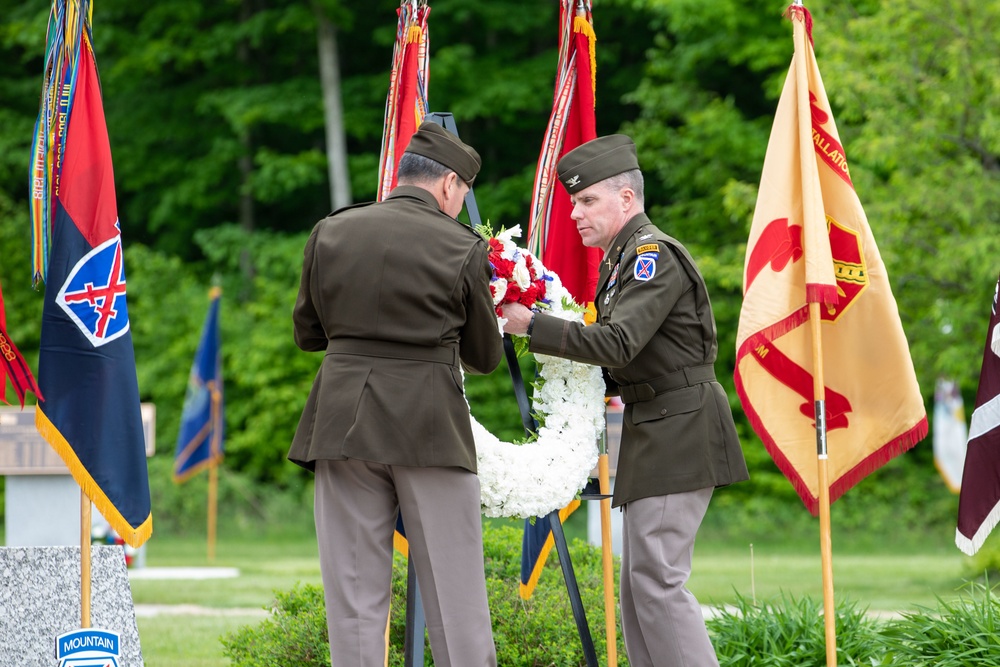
(919, 89)
(217, 128)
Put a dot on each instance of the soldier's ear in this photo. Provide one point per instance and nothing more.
(627, 197)
(453, 186)
(450, 196)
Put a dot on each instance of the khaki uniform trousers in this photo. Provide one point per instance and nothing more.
(355, 509)
(662, 622)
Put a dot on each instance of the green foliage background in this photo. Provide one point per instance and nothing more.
(208, 102)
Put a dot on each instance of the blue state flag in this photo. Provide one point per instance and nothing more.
(86, 364)
(199, 443)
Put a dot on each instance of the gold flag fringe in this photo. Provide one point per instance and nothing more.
(133, 536)
(581, 24)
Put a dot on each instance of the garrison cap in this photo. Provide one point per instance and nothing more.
(595, 161)
(434, 142)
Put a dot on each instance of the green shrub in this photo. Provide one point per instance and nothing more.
(294, 633)
(956, 634)
(792, 633)
(539, 632)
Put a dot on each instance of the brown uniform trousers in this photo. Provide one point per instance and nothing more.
(397, 294)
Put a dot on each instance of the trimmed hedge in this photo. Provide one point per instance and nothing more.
(541, 632)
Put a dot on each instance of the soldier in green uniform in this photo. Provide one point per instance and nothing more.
(396, 294)
(655, 337)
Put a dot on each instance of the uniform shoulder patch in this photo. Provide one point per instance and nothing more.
(645, 267)
(648, 247)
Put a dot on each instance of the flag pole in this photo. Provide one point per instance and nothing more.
(610, 626)
(85, 510)
(213, 471)
(213, 483)
(822, 459)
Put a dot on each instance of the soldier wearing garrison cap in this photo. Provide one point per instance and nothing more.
(396, 295)
(655, 337)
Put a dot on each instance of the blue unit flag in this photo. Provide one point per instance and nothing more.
(199, 443)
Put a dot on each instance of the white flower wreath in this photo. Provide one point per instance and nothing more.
(545, 474)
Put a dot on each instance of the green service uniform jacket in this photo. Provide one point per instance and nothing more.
(655, 338)
(397, 294)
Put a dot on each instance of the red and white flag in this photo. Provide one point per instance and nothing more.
(552, 235)
(810, 243)
(979, 502)
(406, 102)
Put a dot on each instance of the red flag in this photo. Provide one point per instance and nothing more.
(810, 243)
(405, 109)
(86, 364)
(552, 234)
(13, 365)
(406, 102)
(979, 502)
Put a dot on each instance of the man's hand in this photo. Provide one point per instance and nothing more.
(518, 318)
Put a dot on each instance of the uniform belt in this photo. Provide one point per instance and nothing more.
(443, 354)
(685, 377)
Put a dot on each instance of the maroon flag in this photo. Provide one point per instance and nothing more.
(979, 502)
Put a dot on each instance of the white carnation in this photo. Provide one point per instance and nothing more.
(522, 276)
(535, 478)
(508, 235)
(499, 290)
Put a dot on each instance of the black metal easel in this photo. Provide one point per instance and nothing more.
(415, 622)
(530, 427)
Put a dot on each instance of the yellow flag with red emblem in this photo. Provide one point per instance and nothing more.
(810, 242)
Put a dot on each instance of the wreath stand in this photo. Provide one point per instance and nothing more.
(415, 622)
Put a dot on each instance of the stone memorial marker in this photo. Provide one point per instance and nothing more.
(40, 600)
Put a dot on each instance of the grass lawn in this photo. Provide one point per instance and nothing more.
(186, 641)
(264, 567)
(190, 638)
(880, 582)
(881, 577)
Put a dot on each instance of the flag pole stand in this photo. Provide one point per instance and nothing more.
(413, 638)
(822, 459)
(610, 624)
(85, 511)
